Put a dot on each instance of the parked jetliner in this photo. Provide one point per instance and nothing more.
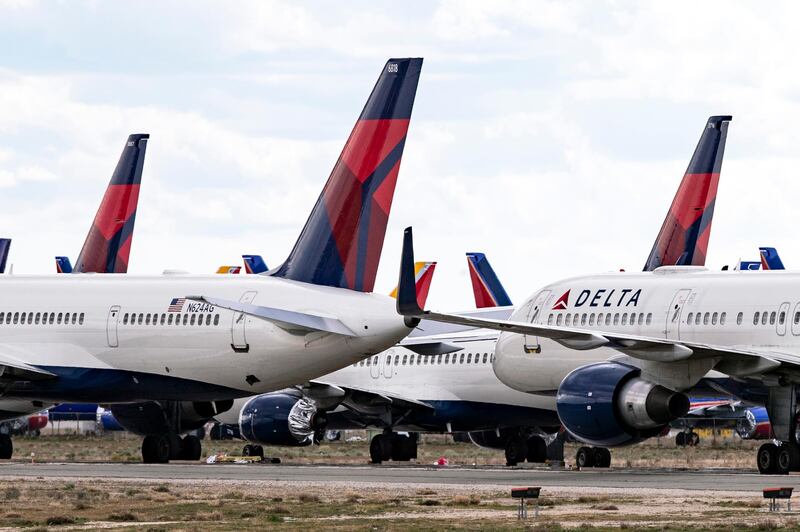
(619, 349)
(205, 339)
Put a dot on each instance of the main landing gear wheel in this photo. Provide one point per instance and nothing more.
(403, 448)
(6, 447)
(253, 450)
(156, 449)
(537, 450)
(584, 457)
(191, 448)
(380, 449)
(602, 457)
(767, 459)
(516, 450)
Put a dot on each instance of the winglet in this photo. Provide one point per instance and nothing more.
(770, 260)
(407, 303)
(5, 246)
(63, 265)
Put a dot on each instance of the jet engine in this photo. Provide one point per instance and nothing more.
(754, 425)
(608, 404)
(284, 418)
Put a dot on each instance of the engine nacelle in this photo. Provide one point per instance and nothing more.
(284, 418)
(607, 404)
(754, 425)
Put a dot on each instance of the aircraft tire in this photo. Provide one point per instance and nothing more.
(767, 459)
(680, 439)
(156, 449)
(537, 450)
(516, 450)
(693, 439)
(376, 449)
(191, 448)
(6, 447)
(584, 457)
(602, 457)
(402, 448)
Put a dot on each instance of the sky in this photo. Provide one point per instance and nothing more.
(549, 135)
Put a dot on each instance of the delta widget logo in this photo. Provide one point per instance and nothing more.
(562, 302)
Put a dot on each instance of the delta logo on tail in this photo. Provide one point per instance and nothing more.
(683, 238)
(562, 302)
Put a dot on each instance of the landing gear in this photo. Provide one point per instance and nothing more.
(392, 446)
(516, 450)
(690, 439)
(537, 450)
(161, 448)
(6, 447)
(783, 455)
(253, 450)
(593, 457)
(191, 448)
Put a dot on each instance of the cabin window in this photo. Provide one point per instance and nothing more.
(208, 319)
(568, 320)
(689, 319)
(52, 317)
(485, 357)
(608, 319)
(764, 318)
(624, 318)
(169, 322)
(559, 318)
(633, 318)
(755, 318)
(16, 318)
(60, 315)
(722, 318)
(600, 318)
(469, 358)
(740, 316)
(649, 318)
(591, 320)
(641, 318)
(705, 318)
(147, 319)
(163, 319)
(714, 319)
(616, 318)
(192, 319)
(185, 319)
(772, 318)
(782, 317)
(583, 319)
(2, 317)
(216, 319)
(199, 319)
(74, 318)
(550, 319)
(22, 320)
(125, 319)
(461, 358)
(405, 359)
(141, 319)
(389, 361)
(38, 317)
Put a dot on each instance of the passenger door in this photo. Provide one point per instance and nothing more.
(672, 329)
(535, 313)
(111, 326)
(374, 366)
(239, 325)
(388, 364)
(795, 317)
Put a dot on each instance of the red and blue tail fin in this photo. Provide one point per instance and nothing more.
(108, 244)
(770, 260)
(5, 247)
(683, 239)
(63, 265)
(342, 240)
(423, 276)
(254, 264)
(486, 287)
(229, 270)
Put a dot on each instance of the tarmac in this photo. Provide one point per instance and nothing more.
(717, 480)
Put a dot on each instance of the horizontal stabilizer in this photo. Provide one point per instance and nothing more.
(428, 348)
(294, 320)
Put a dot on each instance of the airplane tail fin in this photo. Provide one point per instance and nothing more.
(254, 264)
(108, 244)
(423, 276)
(770, 260)
(486, 287)
(683, 239)
(229, 269)
(63, 265)
(5, 247)
(341, 243)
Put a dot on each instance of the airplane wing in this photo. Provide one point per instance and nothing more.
(361, 400)
(734, 361)
(286, 319)
(13, 369)
(429, 347)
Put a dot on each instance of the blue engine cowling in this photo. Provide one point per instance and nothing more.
(285, 418)
(607, 404)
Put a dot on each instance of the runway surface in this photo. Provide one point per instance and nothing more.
(597, 478)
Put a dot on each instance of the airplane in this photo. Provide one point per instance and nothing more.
(620, 350)
(170, 351)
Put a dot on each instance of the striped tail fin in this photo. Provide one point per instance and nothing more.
(229, 270)
(108, 245)
(63, 265)
(341, 243)
(254, 264)
(486, 287)
(683, 239)
(770, 260)
(423, 276)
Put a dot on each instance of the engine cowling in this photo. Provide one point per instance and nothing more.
(285, 418)
(607, 404)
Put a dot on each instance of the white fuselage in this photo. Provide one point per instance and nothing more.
(729, 308)
(126, 340)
